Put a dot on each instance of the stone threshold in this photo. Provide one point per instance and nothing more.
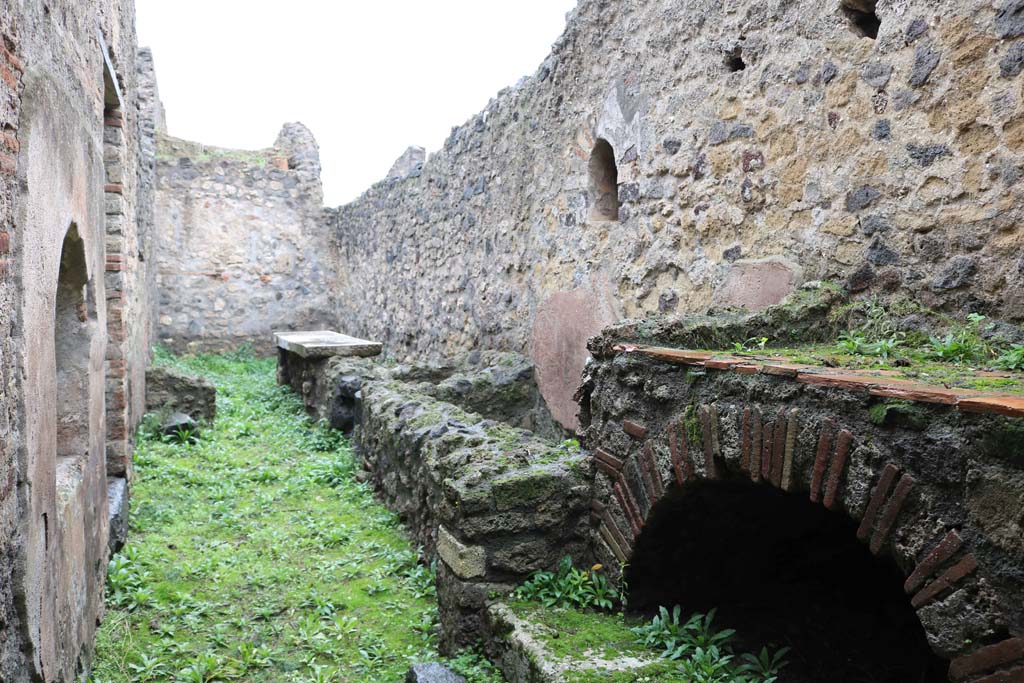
(879, 383)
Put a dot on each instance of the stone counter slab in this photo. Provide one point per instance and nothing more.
(324, 344)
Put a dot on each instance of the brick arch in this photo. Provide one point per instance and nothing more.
(706, 442)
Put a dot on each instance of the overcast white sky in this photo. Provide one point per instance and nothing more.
(369, 77)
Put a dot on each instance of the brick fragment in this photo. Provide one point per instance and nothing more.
(755, 446)
(948, 579)
(677, 450)
(926, 567)
(867, 522)
(892, 511)
(655, 474)
(828, 428)
(778, 448)
(116, 188)
(787, 463)
(634, 429)
(987, 658)
(745, 440)
(9, 77)
(610, 541)
(607, 460)
(8, 164)
(707, 432)
(628, 504)
(13, 61)
(835, 471)
(5, 242)
(767, 435)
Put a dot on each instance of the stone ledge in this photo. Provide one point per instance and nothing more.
(876, 383)
(325, 343)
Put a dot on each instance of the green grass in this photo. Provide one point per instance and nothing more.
(254, 555)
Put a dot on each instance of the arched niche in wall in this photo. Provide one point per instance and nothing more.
(604, 183)
(74, 323)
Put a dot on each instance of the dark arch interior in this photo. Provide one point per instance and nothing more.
(782, 571)
(604, 183)
(862, 16)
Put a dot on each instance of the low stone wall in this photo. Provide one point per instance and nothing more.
(492, 502)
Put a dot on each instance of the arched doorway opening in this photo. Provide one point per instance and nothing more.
(783, 571)
(604, 183)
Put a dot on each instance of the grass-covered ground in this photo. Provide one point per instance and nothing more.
(254, 555)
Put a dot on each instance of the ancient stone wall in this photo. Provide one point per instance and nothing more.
(673, 154)
(11, 391)
(68, 128)
(243, 250)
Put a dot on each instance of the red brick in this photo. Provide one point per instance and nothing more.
(8, 164)
(921, 393)
(745, 440)
(848, 382)
(881, 493)
(113, 123)
(628, 505)
(634, 429)
(747, 369)
(605, 458)
(1015, 675)
(835, 470)
(652, 468)
(5, 243)
(926, 567)
(767, 435)
(755, 444)
(947, 580)
(3, 268)
(675, 355)
(616, 532)
(1011, 406)
(8, 485)
(680, 450)
(612, 542)
(782, 369)
(11, 142)
(792, 427)
(892, 511)
(13, 60)
(8, 77)
(987, 658)
(723, 363)
(646, 482)
(708, 437)
(116, 188)
(821, 458)
(778, 448)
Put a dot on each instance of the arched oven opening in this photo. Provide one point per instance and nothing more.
(782, 571)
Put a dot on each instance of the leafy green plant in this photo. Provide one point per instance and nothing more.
(569, 587)
(857, 344)
(704, 653)
(964, 343)
(750, 345)
(765, 665)
(678, 639)
(1011, 359)
(708, 665)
